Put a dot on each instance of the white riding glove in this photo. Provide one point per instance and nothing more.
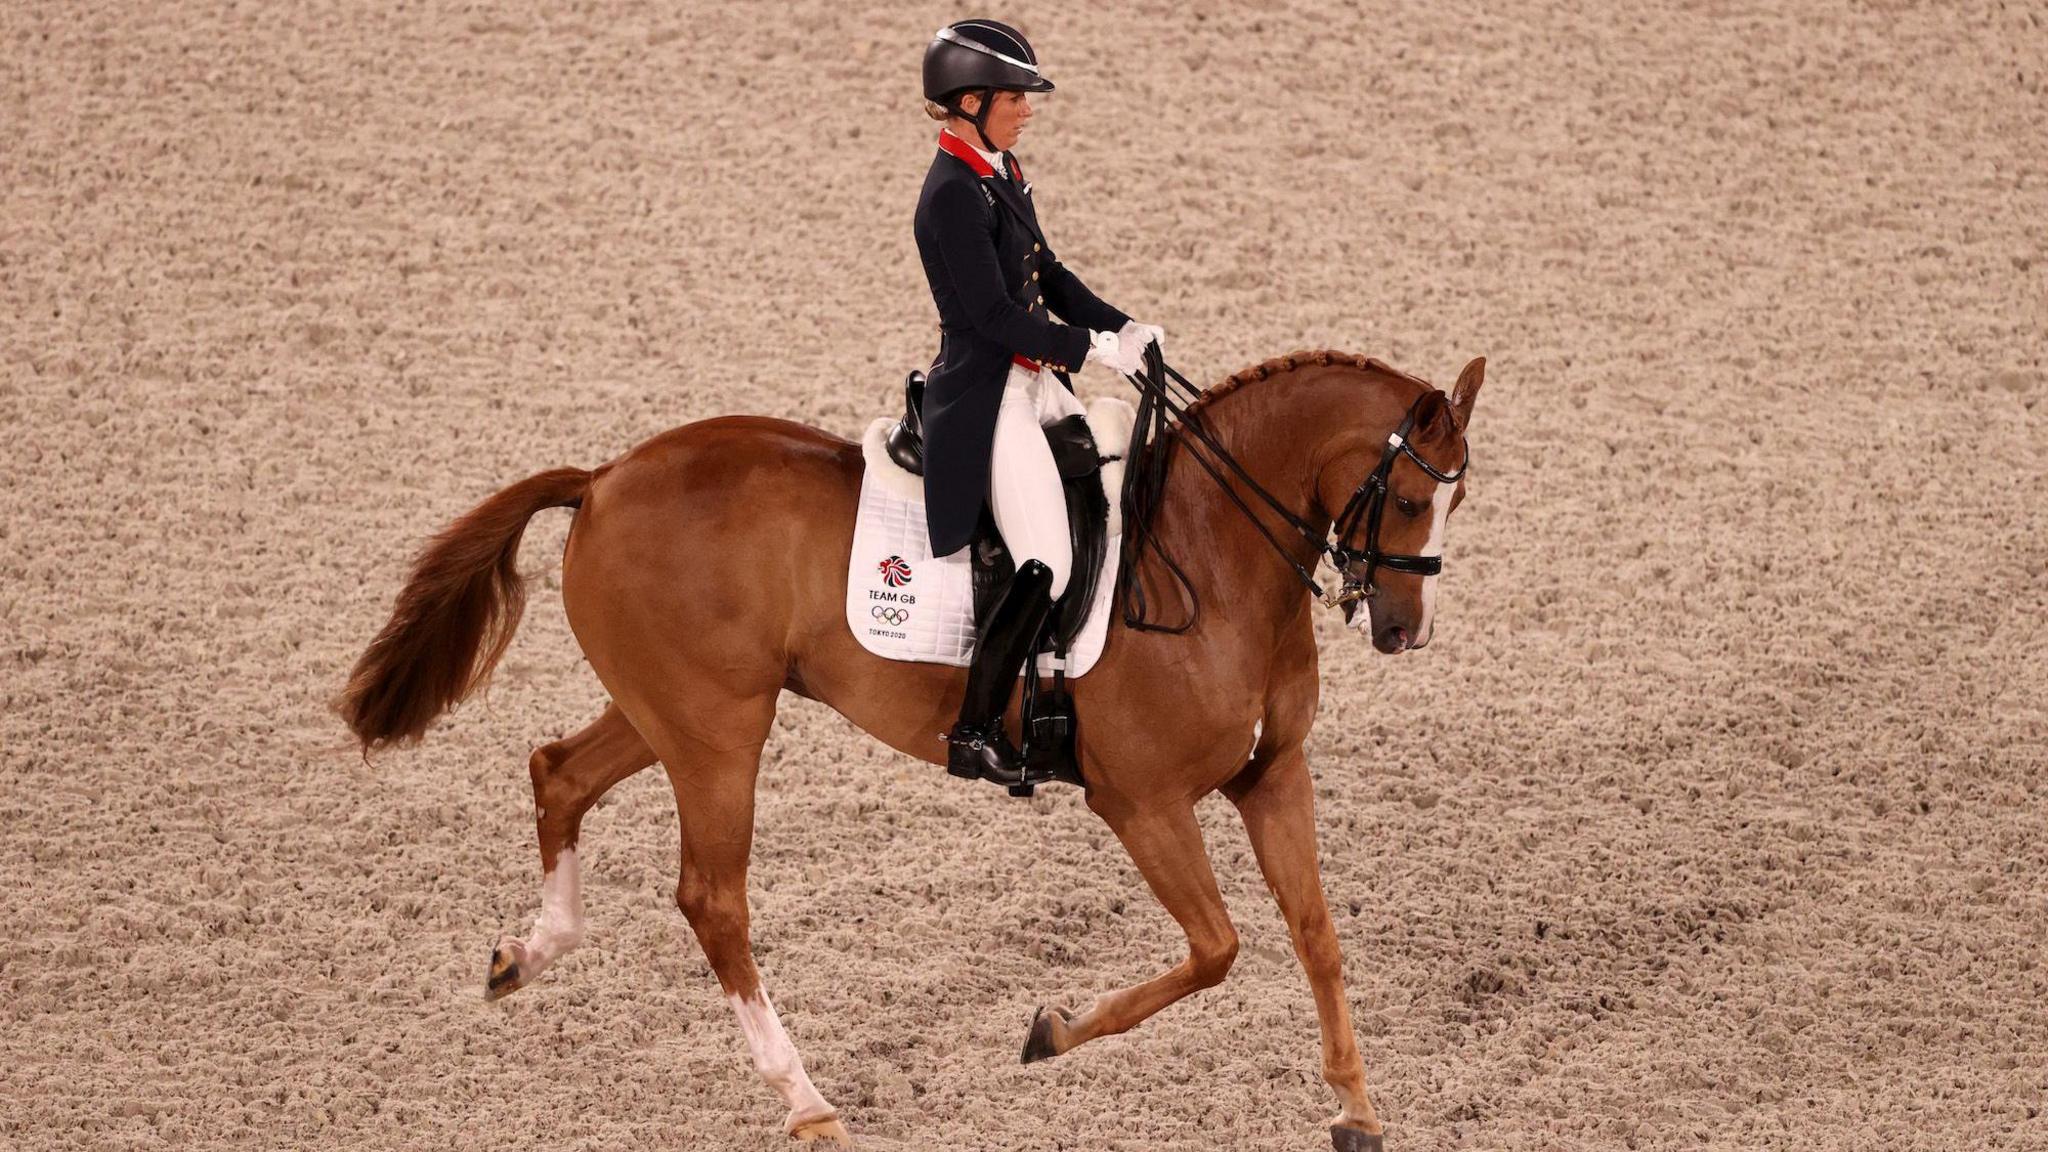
(1145, 334)
(1116, 352)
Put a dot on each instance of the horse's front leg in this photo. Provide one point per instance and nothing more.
(1276, 799)
(1167, 847)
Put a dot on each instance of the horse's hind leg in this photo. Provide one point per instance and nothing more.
(712, 765)
(568, 777)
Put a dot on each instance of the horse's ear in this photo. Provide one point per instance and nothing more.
(1467, 390)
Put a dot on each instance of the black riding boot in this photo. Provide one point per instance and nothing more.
(977, 747)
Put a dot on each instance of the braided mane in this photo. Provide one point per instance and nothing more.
(1323, 357)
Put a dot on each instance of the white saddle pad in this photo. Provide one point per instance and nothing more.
(903, 603)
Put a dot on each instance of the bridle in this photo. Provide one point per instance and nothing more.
(1367, 504)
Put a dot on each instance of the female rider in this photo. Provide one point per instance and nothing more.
(1001, 372)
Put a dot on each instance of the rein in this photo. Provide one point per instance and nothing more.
(1145, 483)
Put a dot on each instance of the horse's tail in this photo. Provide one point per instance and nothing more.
(453, 618)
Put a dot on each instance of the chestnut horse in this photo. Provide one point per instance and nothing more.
(705, 574)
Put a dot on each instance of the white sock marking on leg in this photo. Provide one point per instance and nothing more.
(560, 924)
(776, 1059)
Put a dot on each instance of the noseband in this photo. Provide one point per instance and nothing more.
(1368, 501)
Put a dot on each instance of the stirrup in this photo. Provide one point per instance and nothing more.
(984, 752)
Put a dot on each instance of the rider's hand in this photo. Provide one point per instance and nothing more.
(1145, 334)
(1117, 352)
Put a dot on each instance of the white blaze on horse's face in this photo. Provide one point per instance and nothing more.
(1401, 610)
(1439, 512)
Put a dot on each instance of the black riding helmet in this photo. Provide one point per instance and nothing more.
(979, 56)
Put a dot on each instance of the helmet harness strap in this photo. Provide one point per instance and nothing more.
(978, 119)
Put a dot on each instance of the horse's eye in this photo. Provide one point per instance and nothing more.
(1408, 507)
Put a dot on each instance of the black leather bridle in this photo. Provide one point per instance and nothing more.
(1367, 504)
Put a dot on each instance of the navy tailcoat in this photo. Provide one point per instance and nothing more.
(994, 280)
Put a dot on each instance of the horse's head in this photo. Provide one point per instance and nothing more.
(1390, 526)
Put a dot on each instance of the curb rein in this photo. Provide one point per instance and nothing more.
(1144, 485)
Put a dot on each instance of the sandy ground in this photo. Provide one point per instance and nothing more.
(1714, 816)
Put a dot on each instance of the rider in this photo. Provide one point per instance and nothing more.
(1001, 372)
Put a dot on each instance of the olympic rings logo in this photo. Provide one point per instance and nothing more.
(890, 614)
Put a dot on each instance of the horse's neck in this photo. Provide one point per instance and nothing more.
(1281, 429)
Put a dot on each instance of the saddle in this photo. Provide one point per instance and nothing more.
(1079, 463)
(1050, 725)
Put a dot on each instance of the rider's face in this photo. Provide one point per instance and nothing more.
(1007, 119)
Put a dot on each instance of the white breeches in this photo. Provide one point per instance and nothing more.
(1024, 489)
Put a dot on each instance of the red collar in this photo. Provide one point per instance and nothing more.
(966, 152)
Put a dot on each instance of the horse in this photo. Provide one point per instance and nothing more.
(693, 582)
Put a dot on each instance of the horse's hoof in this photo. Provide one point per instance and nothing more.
(826, 1128)
(508, 973)
(1048, 1035)
(1352, 1140)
